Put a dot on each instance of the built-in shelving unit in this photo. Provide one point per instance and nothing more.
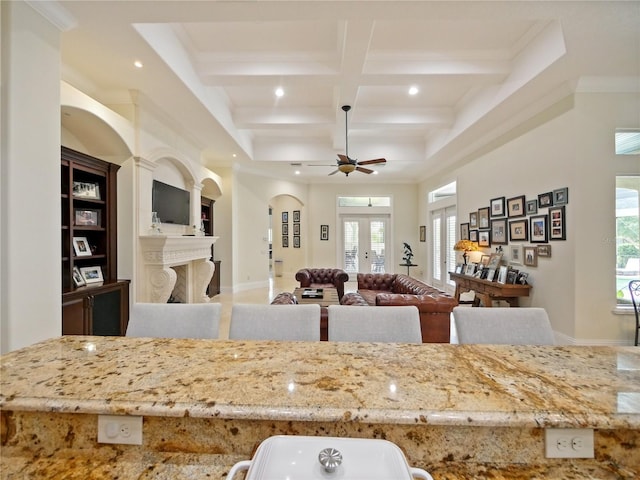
(89, 248)
(206, 212)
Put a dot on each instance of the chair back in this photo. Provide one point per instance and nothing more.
(355, 323)
(174, 320)
(508, 326)
(634, 290)
(275, 322)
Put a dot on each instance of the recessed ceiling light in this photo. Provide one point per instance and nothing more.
(138, 64)
(413, 90)
(279, 92)
(375, 172)
(234, 155)
(297, 172)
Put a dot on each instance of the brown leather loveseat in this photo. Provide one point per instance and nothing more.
(385, 289)
(323, 278)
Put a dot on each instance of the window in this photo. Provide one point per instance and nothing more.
(627, 235)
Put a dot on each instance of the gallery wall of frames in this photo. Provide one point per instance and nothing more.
(294, 232)
(519, 227)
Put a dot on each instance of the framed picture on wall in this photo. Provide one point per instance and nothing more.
(296, 216)
(497, 207)
(483, 217)
(285, 217)
(557, 224)
(285, 229)
(561, 196)
(473, 235)
(530, 256)
(532, 207)
(483, 238)
(515, 207)
(296, 241)
(285, 241)
(544, 250)
(499, 231)
(464, 232)
(545, 200)
(473, 220)
(423, 233)
(519, 230)
(324, 232)
(538, 229)
(296, 229)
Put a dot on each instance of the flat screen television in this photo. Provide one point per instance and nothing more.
(172, 204)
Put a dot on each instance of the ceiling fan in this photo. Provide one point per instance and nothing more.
(346, 164)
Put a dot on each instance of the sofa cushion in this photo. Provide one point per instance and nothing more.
(353, 298)
(376, 281)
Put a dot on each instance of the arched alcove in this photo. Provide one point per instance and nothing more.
(289, 234)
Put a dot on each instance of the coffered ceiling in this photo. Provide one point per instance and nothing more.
(481, 68)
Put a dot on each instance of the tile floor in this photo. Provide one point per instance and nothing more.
(265, 295)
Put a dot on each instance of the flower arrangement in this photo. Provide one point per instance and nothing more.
(408, 254)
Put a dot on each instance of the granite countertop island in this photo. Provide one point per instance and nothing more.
(459, 411)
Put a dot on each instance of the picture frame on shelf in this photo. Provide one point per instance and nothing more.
(324, 232)
(464, 232)
(532, 207)
(423, 233)
(458, 268)
(92, 275)
(557, 224)
(519, 230)
(491, 274)
(473, 235)
(473, 220)
(483, 217)
(497, 207)
(296, 216)
(285, 241)
(494, 260)
(522, 278)
(285, 229)
(544, 251)
(483, 238)
(78, 279)
(516, 254)
(516, 207)
(470, 269)
(502, 274)
(296, 229)
(538, 229)
(545, 200)
(86, 217)
(512, 276)
(296, 241)
(561, 196)
(285, 217)
(88, 190)
(530, 255)
(81, 247)
(484, 260)
(499, 231)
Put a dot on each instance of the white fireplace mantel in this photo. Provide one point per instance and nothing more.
(160, 253)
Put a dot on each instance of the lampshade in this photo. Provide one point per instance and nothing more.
(466, 245)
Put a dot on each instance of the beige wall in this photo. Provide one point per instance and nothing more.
(573, 149)
(30, 271)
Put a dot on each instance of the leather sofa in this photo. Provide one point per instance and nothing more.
(323, 278)
(384, 289)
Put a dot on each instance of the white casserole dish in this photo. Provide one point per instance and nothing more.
(289, 457)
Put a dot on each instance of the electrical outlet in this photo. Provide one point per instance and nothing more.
(120, 429)
(569, 443)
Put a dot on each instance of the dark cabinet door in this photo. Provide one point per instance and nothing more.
(74, 317)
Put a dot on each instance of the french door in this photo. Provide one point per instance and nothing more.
(364, 243)
(443, 238)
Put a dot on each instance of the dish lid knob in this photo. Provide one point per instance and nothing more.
(330, 458)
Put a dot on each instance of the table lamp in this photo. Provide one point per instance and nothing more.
(466, 246)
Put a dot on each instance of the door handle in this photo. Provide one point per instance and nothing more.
(366, 255)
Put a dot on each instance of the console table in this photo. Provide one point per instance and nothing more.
(488, 291)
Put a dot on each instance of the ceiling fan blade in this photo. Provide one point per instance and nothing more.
(334, 172)
(372, 162)
(364, 170)
(343, 158)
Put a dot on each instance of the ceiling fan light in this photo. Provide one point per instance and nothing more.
(346, 167)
